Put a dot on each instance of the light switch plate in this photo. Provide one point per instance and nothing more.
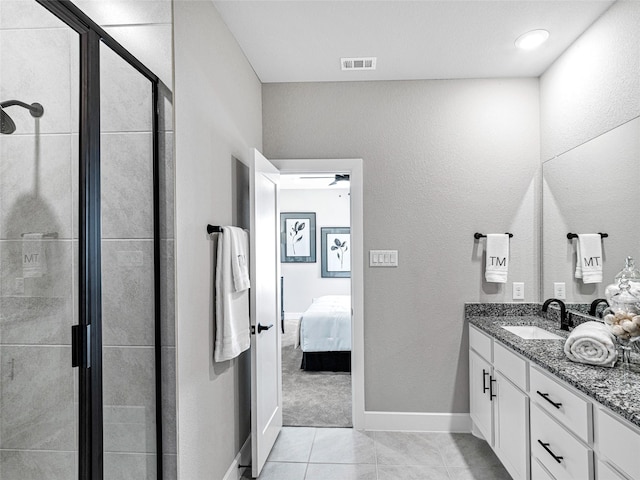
(383, 258)
(559, 290)
(518, 290)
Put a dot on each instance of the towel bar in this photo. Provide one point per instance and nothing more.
(575, 235)
(213, 229)
(478, 236)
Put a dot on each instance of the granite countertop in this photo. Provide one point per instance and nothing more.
(617, 388)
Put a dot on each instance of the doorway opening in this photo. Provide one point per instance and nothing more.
(315, 221)
(338, 223)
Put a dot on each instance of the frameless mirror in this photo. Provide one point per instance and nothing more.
(589, 189)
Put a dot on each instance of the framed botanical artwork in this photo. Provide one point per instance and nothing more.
(298, 237)
(336, 252)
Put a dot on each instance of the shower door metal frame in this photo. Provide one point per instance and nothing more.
(89, 352)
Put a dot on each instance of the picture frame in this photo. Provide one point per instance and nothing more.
(298, 237)
(336, 252)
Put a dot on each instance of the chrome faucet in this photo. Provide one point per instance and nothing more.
(594, 305)
(564, 321)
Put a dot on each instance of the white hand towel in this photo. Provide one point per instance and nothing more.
(34, 261)
(233, 334)
(589, 257)
(239, 256)
(497, 265)
(591, 343)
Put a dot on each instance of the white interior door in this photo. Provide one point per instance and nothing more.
(266, 356)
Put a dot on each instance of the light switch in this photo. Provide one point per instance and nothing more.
(559, 290)
(383, 258)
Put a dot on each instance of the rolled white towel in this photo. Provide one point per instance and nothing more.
(591, 343)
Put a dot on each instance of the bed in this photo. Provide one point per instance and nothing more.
(325, 334)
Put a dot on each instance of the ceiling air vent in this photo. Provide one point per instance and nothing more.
(359, 63)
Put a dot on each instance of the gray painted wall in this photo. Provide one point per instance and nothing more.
(442, 160)
(217, 118)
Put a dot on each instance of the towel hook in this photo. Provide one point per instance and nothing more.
(478, 236)
(575, 235)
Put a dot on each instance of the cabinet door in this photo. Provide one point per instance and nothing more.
(511, 433)
(481, 406)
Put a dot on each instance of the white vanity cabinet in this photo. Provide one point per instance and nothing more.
(540, 427)
(499, 407)
(618, 446)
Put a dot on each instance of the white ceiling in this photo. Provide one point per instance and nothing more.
(303, 40)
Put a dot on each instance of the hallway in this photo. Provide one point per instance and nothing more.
(347, 454)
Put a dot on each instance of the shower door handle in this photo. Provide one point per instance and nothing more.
(80, 346)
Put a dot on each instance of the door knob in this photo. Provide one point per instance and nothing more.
(262, 327)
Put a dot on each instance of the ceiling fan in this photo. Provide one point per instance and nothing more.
(338, 177)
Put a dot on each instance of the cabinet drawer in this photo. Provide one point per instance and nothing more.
(538, 472)
(511, 365)
(605, 472)
(619, 444)
(577, 459)
(480, 342)
(571, 410)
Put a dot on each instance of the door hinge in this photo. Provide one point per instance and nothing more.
(81, 346)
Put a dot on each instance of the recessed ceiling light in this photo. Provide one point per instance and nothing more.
(532, 40)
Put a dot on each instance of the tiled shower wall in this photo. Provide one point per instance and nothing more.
(38, 193)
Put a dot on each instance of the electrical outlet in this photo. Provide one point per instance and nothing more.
(559, 290)
(518, 290)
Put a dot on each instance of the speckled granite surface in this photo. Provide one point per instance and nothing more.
(617, 388)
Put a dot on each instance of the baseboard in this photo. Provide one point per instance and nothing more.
(243, 458)
(293, 315)
(417, 422)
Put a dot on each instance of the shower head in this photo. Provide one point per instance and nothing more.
(6, 123)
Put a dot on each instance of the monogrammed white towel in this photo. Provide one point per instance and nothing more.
(497, 265)
(589, 257)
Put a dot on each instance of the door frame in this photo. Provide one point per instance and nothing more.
(353, 166)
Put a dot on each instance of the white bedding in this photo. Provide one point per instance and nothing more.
(326, 325)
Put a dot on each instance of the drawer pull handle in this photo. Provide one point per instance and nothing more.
(546, 447)
(491, 394)
(484, 383)
(546, 397)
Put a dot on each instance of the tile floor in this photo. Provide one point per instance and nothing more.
(302, 453)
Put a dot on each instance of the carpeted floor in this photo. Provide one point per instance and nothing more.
(312, 399)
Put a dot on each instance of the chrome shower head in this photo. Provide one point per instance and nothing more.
(6, 123)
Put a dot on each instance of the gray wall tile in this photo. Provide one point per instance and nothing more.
(119, 466)
(35, 184)
(128, 293)
(33, 61)
(37, 405)
(35, 465)
(127, 185)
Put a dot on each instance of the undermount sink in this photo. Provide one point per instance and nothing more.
(531, 332)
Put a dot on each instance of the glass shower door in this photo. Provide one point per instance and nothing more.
(39, 63)
(128, 271)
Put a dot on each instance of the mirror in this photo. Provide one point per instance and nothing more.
(589, 189)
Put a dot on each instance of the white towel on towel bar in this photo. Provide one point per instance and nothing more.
(589, 257)
(233, 334)
(239, 256)
(591, 343)
(497, 252)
